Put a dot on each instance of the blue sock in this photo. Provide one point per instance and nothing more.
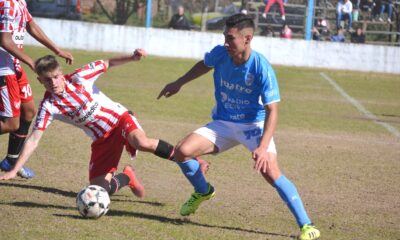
(192, 171)
(289, 194)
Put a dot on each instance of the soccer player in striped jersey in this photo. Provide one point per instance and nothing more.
(75, 99)
(17, 108)
(246, 112)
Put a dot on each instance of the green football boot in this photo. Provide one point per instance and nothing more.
(191, 205)
(309, 232)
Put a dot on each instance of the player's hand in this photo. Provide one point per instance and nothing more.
(9, 175)
(31, 66)
(69, 59)
(138, 54)
(169, 90)
(261, 158)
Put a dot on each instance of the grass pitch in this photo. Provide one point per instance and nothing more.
(345, 166)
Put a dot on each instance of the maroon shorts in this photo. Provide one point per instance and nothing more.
(107, 151)
(14, 90)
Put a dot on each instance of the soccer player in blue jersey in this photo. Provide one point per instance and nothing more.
(246, 112)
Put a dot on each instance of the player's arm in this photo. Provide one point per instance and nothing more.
(137, 55)
(36, 32)
(8, 44)
(30, 146)
(270, 123)
(196, 71)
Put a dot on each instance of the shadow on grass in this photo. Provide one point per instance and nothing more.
(41, 188)
(158, 218)
(71, 194)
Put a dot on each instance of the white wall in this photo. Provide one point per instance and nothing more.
(191, 44)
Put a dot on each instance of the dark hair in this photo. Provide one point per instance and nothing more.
(240, 21)
(46, 64)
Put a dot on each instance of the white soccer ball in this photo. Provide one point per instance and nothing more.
(93, 201)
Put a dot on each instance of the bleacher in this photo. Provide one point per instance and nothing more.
(376, 32)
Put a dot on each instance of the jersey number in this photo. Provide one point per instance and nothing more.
(27, 91)
(256, 132)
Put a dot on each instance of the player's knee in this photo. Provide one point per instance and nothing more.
(183, 152)
(28, 114)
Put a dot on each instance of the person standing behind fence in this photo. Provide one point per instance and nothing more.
(179, 20)
(269, 4)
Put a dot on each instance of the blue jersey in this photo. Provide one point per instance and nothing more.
(241, 91)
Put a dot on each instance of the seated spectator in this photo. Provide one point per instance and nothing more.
(321, 30)
(356, 9)
(316, 35)
(269, 4)
(368, 6)
(344, 12)
(389, 5)
(267, 31)
(356, 4)
(358, 36)
(339, 36)
(179, 20)
(376, 10)
(286, 32)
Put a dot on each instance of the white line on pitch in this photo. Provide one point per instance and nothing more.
(360, 107)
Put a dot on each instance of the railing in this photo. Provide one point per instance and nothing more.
(376, 32)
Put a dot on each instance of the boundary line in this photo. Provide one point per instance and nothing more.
(360, 107)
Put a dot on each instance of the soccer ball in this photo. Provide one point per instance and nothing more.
(93, 201)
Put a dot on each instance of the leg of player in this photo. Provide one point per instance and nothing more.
(8, 125)
(159, 147)
(17, 138)
(288, 192)
(138, 139)
(191, 146)
(113, 183)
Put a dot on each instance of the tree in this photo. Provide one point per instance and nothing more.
(123, 10)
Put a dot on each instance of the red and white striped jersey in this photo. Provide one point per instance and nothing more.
(82, 104)
(14, 16)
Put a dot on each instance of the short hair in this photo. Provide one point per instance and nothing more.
(46, 64)
(240, 21)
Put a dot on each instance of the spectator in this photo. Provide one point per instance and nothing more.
(179, 20)
(339, 36)
(268, 5)
(344, 12)
(368, 6)
(316, 35)
(267, 31)
(321, 30)
(356, 9)
(376, 10)
(358, 36)
(286, 31)
(389, 5)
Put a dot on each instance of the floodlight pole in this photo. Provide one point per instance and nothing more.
(309, 20)
(148, 14)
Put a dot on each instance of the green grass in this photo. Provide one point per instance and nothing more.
(345, 166)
